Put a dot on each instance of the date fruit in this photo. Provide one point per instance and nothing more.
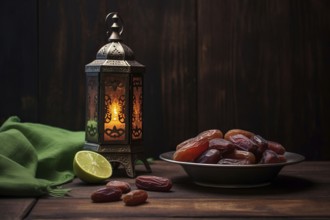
(210, 134)
(236, 146)
(186, 142)
(246, 156)
(210, 156)
(233, 132)
(270, 156)
(106, 194)
(153, 183)
(123, 186)
(260, 141)
(262, 145)
(222, 145)
(191, 151)
(243, 143)
(135, 197)
(276, 147)
(205, 135)
(228, 161)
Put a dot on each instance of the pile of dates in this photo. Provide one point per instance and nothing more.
(237, 147)
(119, 190)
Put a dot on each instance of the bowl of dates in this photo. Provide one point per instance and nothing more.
(236, 159)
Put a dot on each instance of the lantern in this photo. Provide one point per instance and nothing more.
(114, 102)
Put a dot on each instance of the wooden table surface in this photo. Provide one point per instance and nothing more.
(301, 191)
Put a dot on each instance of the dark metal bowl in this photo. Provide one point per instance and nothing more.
(233, 176)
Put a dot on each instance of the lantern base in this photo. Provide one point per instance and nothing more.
(121, 154)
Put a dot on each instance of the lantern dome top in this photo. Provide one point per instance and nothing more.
(115, 49)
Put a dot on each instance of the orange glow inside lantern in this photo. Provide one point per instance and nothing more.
(114, 103)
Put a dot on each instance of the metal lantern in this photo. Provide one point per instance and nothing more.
(114, 102)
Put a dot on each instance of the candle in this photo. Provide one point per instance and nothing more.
(115, 128)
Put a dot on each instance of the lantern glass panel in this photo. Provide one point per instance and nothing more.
(115, 96)
(92, 109)
(137, 109)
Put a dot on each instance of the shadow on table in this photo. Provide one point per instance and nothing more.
(283, 184)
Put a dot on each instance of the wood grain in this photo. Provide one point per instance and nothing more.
(196, 208)
(162, 35)
(253, 64)
(18, 60)
(70, 34)
(16, 208)
(77, 34)
(261, 67)
(300, 191)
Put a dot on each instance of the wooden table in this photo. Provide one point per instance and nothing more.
(301, 191)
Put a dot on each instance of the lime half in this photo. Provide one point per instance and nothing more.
(91, 167)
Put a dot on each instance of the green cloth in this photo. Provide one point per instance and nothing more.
(35, 159)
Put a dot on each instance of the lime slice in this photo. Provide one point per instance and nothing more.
(91, 167)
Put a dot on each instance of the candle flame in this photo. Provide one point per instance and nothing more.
(115, 112)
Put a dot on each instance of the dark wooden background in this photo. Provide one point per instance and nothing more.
(260, 65)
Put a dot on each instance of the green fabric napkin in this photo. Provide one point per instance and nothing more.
(35, 159)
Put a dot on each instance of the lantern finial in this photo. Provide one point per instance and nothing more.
(116, 29)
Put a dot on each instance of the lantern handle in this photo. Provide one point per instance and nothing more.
(115, 30)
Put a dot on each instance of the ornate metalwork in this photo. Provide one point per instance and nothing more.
(91, 116)
(116, 93)
(113, 83)
(137, 108)
(108, 113)
(134, 103)
(140, 113)
(91, 130)
(121, 69)
(114, 132)
(128, 161)
(137, 83)
(95, 103)
(121, 114)
(136, 131)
